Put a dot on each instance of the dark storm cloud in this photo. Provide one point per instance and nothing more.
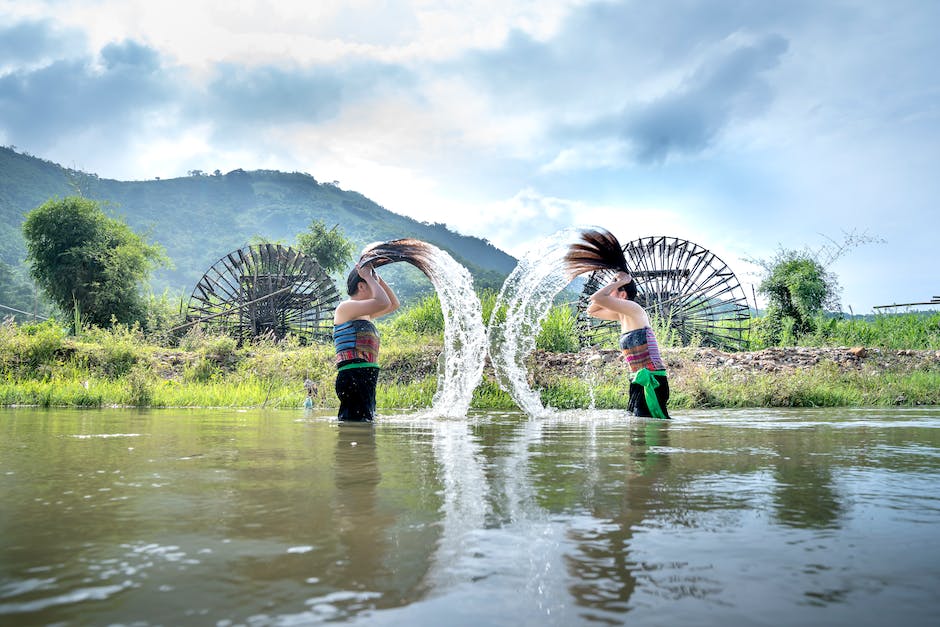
(73, 96)
(33, 42)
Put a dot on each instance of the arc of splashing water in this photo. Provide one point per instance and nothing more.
(460, 368)
(524, 300)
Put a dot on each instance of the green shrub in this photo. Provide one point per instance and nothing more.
(488, 303)
(162, 315)
(423, 318)
(218, 348)
(201, 371)
(113, 351)
(140, 386)
(558, 333)
(30, 349)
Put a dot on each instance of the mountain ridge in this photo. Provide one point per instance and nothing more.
(201, 217)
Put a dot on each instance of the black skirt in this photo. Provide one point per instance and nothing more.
(637, 404)
(355, 388)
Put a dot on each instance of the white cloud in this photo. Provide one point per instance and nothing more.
(735, 124)
(258, 32)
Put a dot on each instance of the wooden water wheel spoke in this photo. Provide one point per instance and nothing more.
(265, 289)
(701, 294)
(682, 285)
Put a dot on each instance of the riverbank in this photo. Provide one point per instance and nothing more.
(217, 374)
(773, 377)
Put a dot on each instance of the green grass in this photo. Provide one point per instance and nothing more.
(821, 386)
(40, 365)
(421, 319)
(410, 395)
(902, 331)
(816, 387)
(558, 332)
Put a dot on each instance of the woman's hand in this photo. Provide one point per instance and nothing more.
(624, 277)
(365, 271)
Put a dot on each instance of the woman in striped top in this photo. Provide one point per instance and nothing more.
(649, 387)
(357, 341)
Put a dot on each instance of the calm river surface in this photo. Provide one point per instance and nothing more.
(223, 517)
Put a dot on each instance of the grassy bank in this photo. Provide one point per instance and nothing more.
(41, 365)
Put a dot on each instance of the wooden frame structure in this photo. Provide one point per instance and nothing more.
(933, 301)
(265, 290)
(683, 286)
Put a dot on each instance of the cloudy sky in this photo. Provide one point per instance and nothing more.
(741, 125)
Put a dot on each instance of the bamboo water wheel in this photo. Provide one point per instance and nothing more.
(682, 286)
(265, 290)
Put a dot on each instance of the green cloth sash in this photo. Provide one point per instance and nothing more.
(358, 364)
(645, 378)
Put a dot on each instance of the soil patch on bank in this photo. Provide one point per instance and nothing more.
(769, 360)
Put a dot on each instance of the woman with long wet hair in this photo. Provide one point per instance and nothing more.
(354, 334)
(408, 250)
(649, 386)
(357, 341)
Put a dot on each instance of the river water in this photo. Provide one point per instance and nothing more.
(224, 517)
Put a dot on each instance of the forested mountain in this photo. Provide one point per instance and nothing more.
(201, 217)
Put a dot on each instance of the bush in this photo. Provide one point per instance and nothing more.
(558, 333)
(423, 318)
(201, 371)
(28, 350)
(218, 348)
(140, 386)
(162, 315)
(114, 351)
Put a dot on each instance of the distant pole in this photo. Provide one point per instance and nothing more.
(929, 302)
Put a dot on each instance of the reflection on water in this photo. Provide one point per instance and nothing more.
(281, 518)
(606, 585)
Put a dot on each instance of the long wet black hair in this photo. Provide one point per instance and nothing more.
(597, 250)
(409, 250)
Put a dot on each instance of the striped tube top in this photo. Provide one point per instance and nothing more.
(356, 341)
(640, 349)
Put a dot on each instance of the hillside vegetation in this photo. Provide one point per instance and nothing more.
(199, 218)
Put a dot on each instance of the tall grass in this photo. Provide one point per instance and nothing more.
(897, 331)
(423, 318)
(488, 300)
(821, 386)
(31, 350)
(558, 332)
(41, 365)
(112, 351)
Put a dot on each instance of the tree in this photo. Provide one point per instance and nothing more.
(89, 263)
(329, 247)
(799, 286)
